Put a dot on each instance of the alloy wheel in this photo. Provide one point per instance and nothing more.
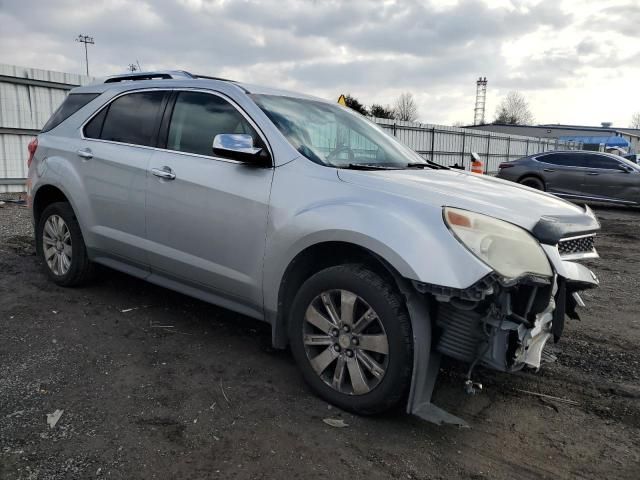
(56, 245)
(345, 342)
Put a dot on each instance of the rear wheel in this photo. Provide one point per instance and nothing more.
(533, 182)
(351, 336)
(60, 246)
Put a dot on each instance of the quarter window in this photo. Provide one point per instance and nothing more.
(132, 118)
(198, 117)
(73, 103)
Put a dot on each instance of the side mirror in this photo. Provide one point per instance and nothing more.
(239, 146)
(624, 168)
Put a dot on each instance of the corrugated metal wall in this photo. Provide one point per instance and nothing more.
(451, 145)
(28, 97)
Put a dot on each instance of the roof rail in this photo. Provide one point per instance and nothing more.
(160, 75)
(207, 77)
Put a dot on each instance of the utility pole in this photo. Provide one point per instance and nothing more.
(86, 39)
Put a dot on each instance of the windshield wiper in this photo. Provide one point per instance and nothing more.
(368, 166)
(427, 164)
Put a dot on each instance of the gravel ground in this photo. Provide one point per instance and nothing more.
(14, 221)
(154, 384)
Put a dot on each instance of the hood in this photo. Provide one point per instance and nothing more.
(514, 203)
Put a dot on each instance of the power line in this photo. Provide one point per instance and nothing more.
(87, 40)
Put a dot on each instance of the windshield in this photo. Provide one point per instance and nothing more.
(332, 135)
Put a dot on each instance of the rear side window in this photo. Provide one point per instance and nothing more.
(132, 118)
(565, 159)
(198, 117)
(71, 104)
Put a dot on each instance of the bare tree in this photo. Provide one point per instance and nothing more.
(406, 108)
(514, 110)
(635, 120)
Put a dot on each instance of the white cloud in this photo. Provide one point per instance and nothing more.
(577, 61)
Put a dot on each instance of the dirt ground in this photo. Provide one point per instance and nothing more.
(154, 384)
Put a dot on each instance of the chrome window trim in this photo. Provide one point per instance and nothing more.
(608, 169)
(178, 89)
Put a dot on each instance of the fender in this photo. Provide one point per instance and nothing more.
(58, 173)
(410, 237)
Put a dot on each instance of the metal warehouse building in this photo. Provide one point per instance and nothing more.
(590, 137)
(28, 97)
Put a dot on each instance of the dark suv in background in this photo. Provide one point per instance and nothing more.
(578, 175)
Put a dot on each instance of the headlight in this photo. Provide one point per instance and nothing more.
(509, 250)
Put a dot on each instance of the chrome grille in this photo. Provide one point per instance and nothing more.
(577, 247)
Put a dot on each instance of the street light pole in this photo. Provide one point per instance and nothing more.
(86, 39)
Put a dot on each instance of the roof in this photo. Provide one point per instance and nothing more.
(627, 131)
(179, 78)
(588, 152)
(634, 132)
(612, 141)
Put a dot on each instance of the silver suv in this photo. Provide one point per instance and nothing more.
(369, 261)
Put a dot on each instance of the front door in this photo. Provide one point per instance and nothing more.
(607, 179)
(206, 215)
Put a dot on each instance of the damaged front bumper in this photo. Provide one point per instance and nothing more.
(501, 325)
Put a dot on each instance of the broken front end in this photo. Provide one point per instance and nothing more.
(504, 320)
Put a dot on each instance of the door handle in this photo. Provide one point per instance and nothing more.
(548, 170)
(85, 153)
(593, 173)
(164, 172)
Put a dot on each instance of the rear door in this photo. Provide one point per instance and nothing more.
(115, 157)
(207, 219)
(563, 172)
(606, 178)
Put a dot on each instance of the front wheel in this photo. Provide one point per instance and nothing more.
(60, 246)
(350, 334)
(533, 182)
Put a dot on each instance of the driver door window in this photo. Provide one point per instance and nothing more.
(606, 179)
(602, 162)
(198, 117)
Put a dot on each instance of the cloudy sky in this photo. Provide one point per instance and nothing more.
(576, 61)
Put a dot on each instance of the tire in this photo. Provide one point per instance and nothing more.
(533, 182)
(373, 391)
(75, 268)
